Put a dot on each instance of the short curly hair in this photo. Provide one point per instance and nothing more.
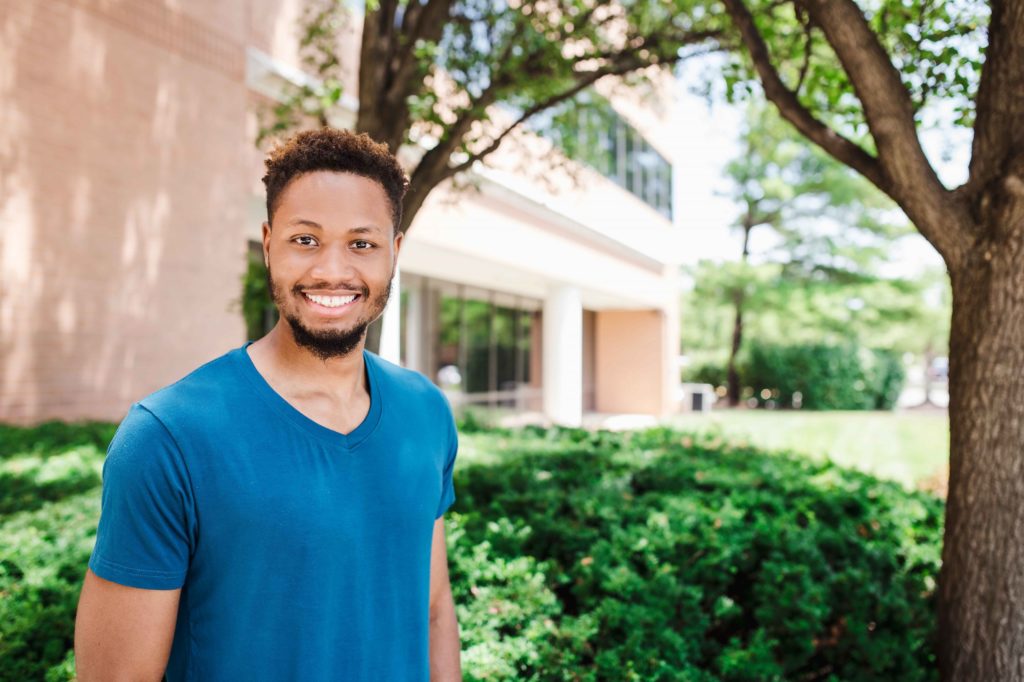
(330, 149)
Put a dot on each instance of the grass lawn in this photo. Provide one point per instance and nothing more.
(908, 447)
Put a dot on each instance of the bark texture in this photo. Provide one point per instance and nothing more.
(982, 580)
(981, 629)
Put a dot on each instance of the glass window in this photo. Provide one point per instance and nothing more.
(474, 343)
(590, 131)
(629, 157)
(449, 347)
(476, 323)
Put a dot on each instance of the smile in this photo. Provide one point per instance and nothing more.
(331, 301)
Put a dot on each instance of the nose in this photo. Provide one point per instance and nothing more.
(333, 264)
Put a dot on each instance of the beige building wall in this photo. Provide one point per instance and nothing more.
(632, 363)
(123, 146)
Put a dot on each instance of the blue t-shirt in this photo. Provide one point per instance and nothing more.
(302, 553)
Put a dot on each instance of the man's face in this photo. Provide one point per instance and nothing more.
(330, 257)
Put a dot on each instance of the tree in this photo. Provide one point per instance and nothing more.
(858, 82)
(832, 224)
(453, 79)
(902, 315)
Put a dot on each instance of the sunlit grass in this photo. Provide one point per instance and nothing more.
(908, 447)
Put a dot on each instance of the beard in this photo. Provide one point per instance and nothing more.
(328, 343)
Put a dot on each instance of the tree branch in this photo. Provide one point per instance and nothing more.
(808, 42)
(435, 165)
(373, 50)
(554, 100)
(425, 23)
(900, 170)
(999, 113)
(889, 112)
(789, 106)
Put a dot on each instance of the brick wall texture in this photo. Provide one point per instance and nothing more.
(126, 169)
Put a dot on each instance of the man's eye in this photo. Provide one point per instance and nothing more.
(362, 245)
(305, 240)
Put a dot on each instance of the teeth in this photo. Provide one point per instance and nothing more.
(331, 301)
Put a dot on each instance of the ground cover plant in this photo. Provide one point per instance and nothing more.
(593, 556)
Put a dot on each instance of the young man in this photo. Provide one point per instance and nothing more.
(277, 514)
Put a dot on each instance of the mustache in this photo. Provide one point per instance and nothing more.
(363, 290)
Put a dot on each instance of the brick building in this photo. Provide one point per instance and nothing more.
(130, 195)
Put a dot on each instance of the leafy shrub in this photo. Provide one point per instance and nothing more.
(258, 307)
(473, 420)
(708, 373)
(673, 561)
(888, 376)
(63, 671)
(45, 553)
(53, 437)
(28, 481)
(826, 377)
(595, 556)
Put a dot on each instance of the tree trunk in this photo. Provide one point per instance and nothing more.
(414, 199)
(929, 359)
(733, 375)
(981, 627)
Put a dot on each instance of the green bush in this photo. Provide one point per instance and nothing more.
(45, 553)
(29, 481)
(592, 557)
(709, 373)
(888, 376)
(258, 307)
(674, 561)
(826, 377)
(53, 437)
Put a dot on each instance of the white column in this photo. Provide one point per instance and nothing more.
(415, 334)
(391, 324)
(563, 356)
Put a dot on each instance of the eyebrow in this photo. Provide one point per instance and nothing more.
(362, 229)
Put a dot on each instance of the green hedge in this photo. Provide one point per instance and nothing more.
(598, 556)
(44, 559)
(53, 437)
(708, 373)
(650, 557)
(257, 305)
(826, 377)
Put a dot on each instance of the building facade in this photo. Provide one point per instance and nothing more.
(130, 195)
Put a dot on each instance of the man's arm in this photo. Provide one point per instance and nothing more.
(444, 628)
(123, 633)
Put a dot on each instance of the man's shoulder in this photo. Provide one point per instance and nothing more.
(200, 391)
(405, 383)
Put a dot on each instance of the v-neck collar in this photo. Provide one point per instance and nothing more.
(348, 441)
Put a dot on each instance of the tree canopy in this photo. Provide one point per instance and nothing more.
(456, 78)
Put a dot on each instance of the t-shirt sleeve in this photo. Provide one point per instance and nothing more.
(448, 489)
(147, 525)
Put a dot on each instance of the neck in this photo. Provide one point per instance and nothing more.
(339, 376)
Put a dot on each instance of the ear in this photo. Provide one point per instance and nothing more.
(266, 244)
(397, 247)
